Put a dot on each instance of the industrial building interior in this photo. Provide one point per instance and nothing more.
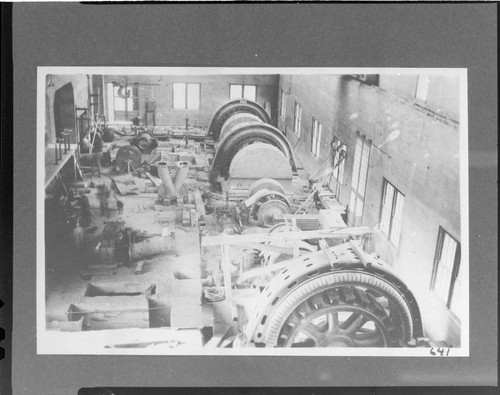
(211, 211)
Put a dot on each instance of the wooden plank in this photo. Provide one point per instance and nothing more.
(272, 248)
(66, 326)
(105, 312)
(331, 219)
(91, 273)
(52, 169)
(126, 185)
(186, 304)
(209, 241)
(300, 216)
(194, 218)
(219, 332)
(154, 180)
(198, 201)
(226, 269)
(186, 315)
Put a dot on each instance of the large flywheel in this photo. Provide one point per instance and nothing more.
(342, 315)
(312, 304)
(270, 206)
(128, 158)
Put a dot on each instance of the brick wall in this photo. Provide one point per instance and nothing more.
(214, 93)
(422, 162)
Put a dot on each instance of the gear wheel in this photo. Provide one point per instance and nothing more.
(340, 309)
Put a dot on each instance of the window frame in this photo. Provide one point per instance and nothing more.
(338, 171)
(355, 189)
(393, 213)
(455, 269)
(186, 96)
(317, 129)
(297, 120)
(134, 96)
(283, 104)
(422, 88)
(243, 92)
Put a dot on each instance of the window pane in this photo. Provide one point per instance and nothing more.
(179, 95)
(283, 103)
(250, 92)
(297, 118)
(340, 171)
(445, 267)
(357, 161)
(318, 141)
(314, 132)
(386, 208)
(457, 304)
(397, 218)
(359, 211)
(193, 94)
(119, 103)
(422, 87)
(235, 91)
(395, 231)
(364, 170)
(353, 219)
(130, 99)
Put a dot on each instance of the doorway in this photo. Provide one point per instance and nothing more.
(64, 111)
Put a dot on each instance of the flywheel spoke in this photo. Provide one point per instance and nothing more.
(333, 323)
(324, 320)
(354, 323)
(368, 339)
(312, 332)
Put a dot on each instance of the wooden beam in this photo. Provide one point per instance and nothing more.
(226, 269)
(272, 248)
(198, 201)
(220, 331)
(341, 233)
(155, 181)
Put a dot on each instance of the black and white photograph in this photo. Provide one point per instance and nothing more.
(272, 211)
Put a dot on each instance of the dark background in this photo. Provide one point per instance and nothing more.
(248, 35)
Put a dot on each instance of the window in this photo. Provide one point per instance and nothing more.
(316, 138)
(283, 104)
(359, 179)
(447, 277)
(125, 101)
(392, 212)
(238, 91)
(422, 88)
(297, 117)
(338, 166)
(186, 96)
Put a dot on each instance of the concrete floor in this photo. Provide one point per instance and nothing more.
(68, 275)
(171, 279)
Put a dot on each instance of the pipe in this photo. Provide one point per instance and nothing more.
(164, 174)
(149, 247)
(180, 177)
